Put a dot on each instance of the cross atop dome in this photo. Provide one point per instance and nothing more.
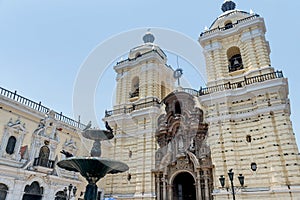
(228, 5)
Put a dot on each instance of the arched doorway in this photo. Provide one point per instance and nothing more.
(33, 192)
(184, 187)
(3, 191)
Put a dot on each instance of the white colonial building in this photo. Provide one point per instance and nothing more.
(32, 137)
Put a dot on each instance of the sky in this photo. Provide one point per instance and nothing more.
(44, 44)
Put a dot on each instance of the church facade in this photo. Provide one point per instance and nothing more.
(179, 143)
(183, 143)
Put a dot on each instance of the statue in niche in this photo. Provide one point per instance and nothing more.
(169, 146)
(180, 146)
(192, 145)
(180, 143)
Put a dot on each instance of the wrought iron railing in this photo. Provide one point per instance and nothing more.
(201, 92)
(235, 85)
(44, 163)
(39, 107)
(153, 102)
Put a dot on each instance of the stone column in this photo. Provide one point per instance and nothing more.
(198, 186)
(164, 188)
(170, 192)
(157, 186)
(206, 185)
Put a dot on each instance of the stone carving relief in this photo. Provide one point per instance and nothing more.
(14, 133)
(48, 127)
(45, 135)
(181, 135)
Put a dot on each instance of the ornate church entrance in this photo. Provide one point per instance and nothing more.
(184, 187)
(183, 168)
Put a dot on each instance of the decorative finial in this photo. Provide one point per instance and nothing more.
(148, 37)
(228, 5)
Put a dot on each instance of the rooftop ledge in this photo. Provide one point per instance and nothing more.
(220, 29)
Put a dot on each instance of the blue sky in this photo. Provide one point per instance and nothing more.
(44, 43)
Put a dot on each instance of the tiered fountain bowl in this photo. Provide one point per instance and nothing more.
(94, 168)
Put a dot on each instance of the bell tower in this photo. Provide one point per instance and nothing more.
(235, 46)
(144, 75)
(247, 109)
(143, 80)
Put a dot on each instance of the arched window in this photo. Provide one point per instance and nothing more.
(11, 145)
(177, 108)
(228, 24)
(33, 191)
(44, 156)
(60, 195)
(3, 191)
(135, 87)
(234, 59)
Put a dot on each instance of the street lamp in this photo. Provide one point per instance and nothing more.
(68, 191)
(230, 175)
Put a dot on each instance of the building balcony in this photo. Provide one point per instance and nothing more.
(235, 85)
(153, 102)
(43, 165)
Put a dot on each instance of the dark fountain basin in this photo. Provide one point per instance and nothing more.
(93, 168)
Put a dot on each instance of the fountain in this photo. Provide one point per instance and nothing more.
(94, 168)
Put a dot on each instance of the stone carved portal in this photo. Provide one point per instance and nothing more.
(183, 167)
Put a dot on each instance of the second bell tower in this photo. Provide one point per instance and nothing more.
(235, 46)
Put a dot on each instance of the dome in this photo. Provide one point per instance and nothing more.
(230, 15)
(148, 37)
(228, 5)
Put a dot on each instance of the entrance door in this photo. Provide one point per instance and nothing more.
(184, 187)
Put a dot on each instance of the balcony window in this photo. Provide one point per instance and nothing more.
(43, 159)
